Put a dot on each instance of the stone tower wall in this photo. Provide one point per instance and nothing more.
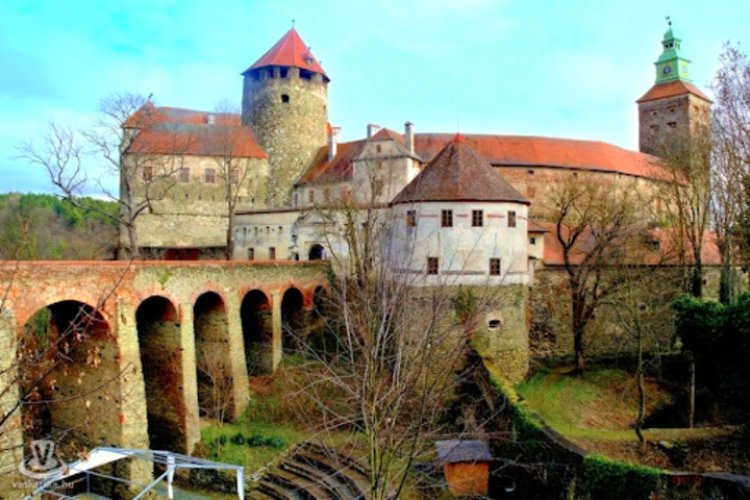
(290, 129)
(669, 117)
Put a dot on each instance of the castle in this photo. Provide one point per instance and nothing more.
(280, 157)
(456, 209)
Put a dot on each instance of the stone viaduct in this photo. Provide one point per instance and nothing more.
(138, 342)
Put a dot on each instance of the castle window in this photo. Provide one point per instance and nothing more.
(271, 253)
(446, 218)
(532, 240)
(148, 173)
(234, 176)
(494, 266)
(311, 196)
(530, 172)
(327, 194)
(377, 187)
(184, 174)
(477, 218)
(494, 324)
(411, 218)
(209, 175)
(284, 72)
(672, 125)
(285, 98)
(511, 218)
(432, 265)
(654, 128)
(378, 148)
(250, 253)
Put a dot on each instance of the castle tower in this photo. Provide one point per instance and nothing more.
(285, 100)
(673, 107)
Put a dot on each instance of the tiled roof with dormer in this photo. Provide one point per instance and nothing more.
(179, 131)
(458, 173)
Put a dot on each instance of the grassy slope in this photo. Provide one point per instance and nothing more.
(600, 405)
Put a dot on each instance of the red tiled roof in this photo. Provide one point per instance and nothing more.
(290, 50)
(186, 131)
(322, 171)
(149, 114)
(509, 150)
(672, 89)
(553, 251)
(386, 134)
(457, 173)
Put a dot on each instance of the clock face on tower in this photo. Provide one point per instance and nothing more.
(667, 70)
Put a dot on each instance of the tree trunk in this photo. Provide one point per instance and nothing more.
(691, 394)
(230, 239)
(133, 242)
(641, 397)
(725, 279)
(696, 279)
(578, 348)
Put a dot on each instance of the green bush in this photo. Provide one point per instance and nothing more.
(606, 478)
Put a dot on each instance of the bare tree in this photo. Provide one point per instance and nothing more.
(731, 161)
(242, 182)
(214, 381)
(686, 159)
(129, 141)
(597, 225)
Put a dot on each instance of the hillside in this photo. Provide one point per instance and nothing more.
(42, 227)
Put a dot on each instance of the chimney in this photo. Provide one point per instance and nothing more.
(333, 140)
(409, 136)
(372, 129)
(211, 119)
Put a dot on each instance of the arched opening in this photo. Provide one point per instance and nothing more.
(292, 320)
(257, 331)
(321, 337)
(213, 370)
(161, 358)
(69, 378)
(317, 252)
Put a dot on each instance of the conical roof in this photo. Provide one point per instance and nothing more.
(457, 173)
(290, 50)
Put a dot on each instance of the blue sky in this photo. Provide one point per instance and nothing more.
(568, 68)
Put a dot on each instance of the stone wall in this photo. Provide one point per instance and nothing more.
(664, 118)
(501, 328)
(550, 334)
(194, 214)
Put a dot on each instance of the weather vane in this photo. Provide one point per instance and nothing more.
(668, 18)
(292, 23)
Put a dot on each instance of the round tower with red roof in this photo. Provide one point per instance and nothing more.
(285, 101)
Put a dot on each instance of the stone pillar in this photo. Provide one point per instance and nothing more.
(237, 364)
(276, 298)
(133, 418)
(11, 438)
(189, 378)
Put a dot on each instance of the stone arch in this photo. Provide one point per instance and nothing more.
(317, 252)
(69, 377)
(213, 371)
(158, 327)
(257, 332)
(293, 319)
